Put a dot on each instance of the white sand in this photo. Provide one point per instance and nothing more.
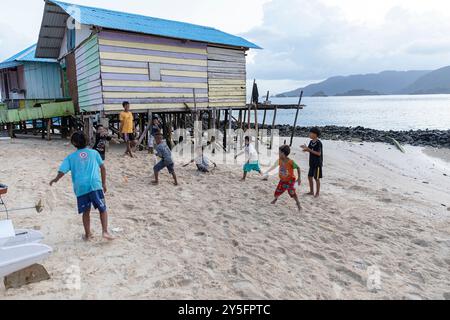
(381, 212)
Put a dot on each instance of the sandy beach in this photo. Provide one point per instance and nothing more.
(381, 229)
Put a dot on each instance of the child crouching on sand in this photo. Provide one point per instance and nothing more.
(163, 152)
(287, 176)
(89, 182)
(251, 159)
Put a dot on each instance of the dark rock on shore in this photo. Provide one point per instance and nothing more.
(431, 138)
(425, 138)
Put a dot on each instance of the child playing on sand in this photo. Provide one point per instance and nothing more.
(154, 130)
(127, 128)
(163, 152)
(287, 176)
(89, 182)
(101, 138)
(202, 162)
(315, 160)
(251, 159)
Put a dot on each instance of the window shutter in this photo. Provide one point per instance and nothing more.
(154, 71)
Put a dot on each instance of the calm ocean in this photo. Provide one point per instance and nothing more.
(376, 112)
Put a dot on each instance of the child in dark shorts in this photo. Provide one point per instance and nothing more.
(163, 152)
(315, 150)
(101, 139)
(89, 182)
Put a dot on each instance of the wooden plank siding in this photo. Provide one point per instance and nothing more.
(87, 59)
(152, 72)
(226, 77)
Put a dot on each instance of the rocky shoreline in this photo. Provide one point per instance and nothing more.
(426, 138)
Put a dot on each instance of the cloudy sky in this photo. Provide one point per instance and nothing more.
(303, 40)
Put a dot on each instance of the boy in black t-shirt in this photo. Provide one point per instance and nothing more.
(315, 160)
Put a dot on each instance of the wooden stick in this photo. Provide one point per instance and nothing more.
(273, 126)
(296, 118)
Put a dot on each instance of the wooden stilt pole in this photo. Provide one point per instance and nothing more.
(265, 112)
(225, 130)
(49, 127)
(249, 117)
(273, 126)
(296, 118)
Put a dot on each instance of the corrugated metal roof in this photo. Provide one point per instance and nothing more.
(148, 25)
(27, 55)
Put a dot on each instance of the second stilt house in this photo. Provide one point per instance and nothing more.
(155, 64)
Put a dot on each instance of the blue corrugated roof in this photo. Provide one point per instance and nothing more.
(27, 55)
(148, 25)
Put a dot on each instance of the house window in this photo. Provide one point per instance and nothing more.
(154, 71)
(71, 33)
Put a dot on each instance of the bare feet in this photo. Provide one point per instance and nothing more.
(299, 207)
(155, 183)
(107, 236)
(274, 201)
(310, 194)
(88, 237)
(317, 196)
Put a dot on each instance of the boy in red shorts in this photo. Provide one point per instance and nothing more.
(287, 176)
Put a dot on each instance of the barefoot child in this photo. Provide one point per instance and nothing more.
(202, 162)
(127, 128)
(315, 160)
(89, 182)
(287, 176)
(101, 138)
(163, 152)
(251, 159)
(154, 130)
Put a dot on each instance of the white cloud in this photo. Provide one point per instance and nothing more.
(317, 39)
(302, 39)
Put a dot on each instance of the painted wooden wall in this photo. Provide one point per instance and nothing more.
(226, 77)
(43, 81)
(152, 72)
(88, 76)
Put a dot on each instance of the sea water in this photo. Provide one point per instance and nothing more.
(396, 112)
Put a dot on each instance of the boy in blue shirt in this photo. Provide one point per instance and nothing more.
(89, 182)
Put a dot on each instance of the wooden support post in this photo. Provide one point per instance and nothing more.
(256, 127)
(244, 119)
(273, 126)
(296, 118)
(240, 119)
(11, 130)
(265, 112)
(249, 117)
(225, 130)
(49, 128)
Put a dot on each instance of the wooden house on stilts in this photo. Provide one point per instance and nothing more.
(157, 65)
(31, 89)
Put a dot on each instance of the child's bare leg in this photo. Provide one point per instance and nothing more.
(175, 179)
(129, 149)
(298, 203)
(156, 181)
(87, 225)
(104, 221)
(311, 186)
(318, 188)
(274, 201)
(245, 176)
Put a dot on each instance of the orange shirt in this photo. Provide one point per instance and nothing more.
(287, 170)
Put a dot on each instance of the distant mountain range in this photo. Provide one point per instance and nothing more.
(383, 83)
